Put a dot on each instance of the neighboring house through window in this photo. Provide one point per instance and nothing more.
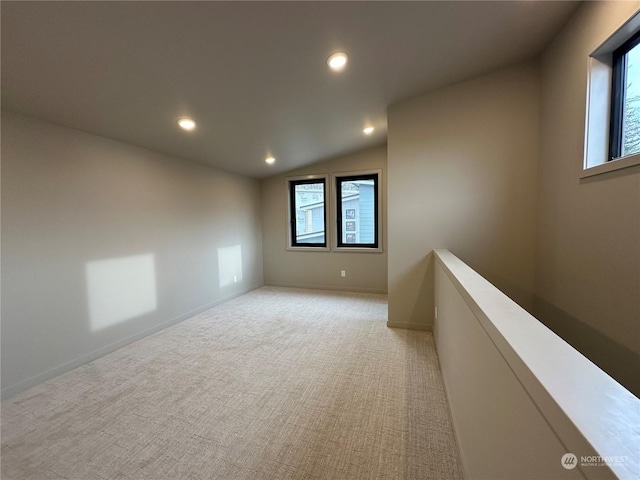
(307, 212)
(351, 200)
(357, 211)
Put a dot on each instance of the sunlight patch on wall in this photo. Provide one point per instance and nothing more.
(120, 289)
(229, 265)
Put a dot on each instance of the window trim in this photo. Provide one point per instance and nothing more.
(291, 220)
(337, 245)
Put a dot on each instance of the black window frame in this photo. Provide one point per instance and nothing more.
(618, 95)
(293, 219)
(376, 205)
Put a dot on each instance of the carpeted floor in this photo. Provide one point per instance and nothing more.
(276, 384)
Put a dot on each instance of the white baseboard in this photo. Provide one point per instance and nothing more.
(325, 287)
(411, 326)
(65, 367)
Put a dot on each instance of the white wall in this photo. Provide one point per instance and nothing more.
(103, 242)
(587, 278)
(462, 167)
(365, 271)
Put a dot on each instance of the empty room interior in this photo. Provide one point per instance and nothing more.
(320, 240)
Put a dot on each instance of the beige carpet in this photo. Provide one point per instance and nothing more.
(276, 384)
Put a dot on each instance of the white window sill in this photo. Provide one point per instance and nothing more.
(335, 249)
(357, 250)
(308, 249)
(611, 166)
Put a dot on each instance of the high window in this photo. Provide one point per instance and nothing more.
(357, 211)
(612, 134)
(307, 212)
(625, 100)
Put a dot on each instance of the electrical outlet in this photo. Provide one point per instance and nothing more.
(343, 273)
(235, 279)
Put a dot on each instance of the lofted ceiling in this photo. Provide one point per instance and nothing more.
(253, 75)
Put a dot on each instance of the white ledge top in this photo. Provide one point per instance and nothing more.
(588, 410)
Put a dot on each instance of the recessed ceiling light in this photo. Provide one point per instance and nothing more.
(368, 130)
(270, 160)
(187, 124)
(337, 61)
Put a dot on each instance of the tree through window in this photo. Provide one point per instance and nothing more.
(625, 104)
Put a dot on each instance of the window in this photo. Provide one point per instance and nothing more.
(340, 215)
(612, 133)
(357, 211)
(307, 212)
(624, 138)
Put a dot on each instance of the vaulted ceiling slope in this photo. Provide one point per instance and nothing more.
(253, 75)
